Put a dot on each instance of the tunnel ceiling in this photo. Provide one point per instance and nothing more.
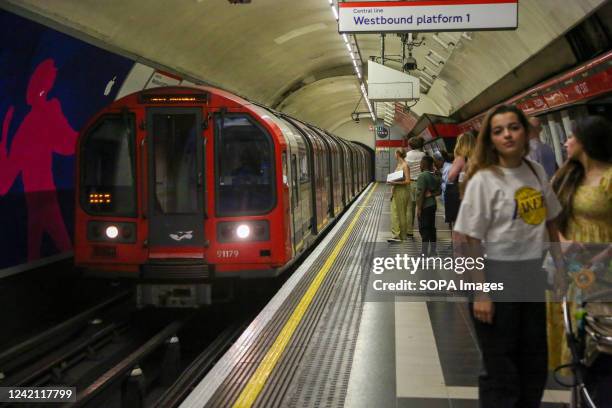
(289, 55)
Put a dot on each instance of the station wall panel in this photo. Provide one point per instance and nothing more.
(50, 85)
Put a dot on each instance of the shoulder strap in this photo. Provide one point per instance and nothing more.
(533, 171)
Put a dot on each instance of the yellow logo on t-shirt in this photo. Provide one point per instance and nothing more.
(530, 205)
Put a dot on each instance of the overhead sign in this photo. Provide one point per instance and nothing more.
(427, 15)
(389, 85)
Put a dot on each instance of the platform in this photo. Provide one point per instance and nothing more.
(318, 343)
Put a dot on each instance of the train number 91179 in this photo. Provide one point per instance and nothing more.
(228, 253)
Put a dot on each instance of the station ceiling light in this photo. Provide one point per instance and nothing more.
(440, 49)
(356, 60)
(387, 111)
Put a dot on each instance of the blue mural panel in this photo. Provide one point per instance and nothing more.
(50, 85)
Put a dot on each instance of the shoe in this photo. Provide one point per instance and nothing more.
(394, 240)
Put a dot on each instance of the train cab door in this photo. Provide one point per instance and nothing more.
(175, 182)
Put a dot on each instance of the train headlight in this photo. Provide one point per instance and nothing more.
(243, 231)
(117, 232)
(112, 231)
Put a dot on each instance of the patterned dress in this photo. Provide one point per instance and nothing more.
(591, 224)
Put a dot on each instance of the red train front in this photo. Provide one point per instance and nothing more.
(181, 187)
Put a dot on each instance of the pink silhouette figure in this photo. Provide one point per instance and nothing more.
(42, 132)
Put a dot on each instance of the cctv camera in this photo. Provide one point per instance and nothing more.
(410, 64)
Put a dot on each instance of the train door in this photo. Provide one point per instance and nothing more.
(175, 184)
(298, 181)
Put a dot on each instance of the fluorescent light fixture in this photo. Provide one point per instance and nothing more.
(440, 41)
(426, 75)
(426, 81)
(433, 61)
(354, 59)
(451, 38)
(425, 67)
(435, 54)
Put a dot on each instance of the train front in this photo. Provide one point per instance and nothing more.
(181, 190)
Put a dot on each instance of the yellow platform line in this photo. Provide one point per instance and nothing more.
(257, 381)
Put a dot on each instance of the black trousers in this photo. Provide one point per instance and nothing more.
(514, 356)
(598, 380)
(427, 229)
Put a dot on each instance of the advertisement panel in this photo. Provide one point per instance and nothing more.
(50, 85)
(428, 15)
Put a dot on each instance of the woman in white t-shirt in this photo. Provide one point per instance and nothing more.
(508, 209)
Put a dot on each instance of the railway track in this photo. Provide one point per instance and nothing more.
(15, 361)
(116, 356)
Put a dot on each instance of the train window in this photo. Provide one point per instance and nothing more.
(557, 129)
(175, 163)
(296, 185)
(304, 173)
(285, 171)
(244, 166)
(545, 135)
(107, 183)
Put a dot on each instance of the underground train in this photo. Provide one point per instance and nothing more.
(182, 189)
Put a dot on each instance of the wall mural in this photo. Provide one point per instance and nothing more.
(50, 85)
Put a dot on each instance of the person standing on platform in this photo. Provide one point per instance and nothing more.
(509, 205)
(400, 200)
(427, 187)
(463, 150)
(540, 152)
(413, 158)
(584, 187)
(443, 165)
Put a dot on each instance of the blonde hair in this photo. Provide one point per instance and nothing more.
(402, 152)
(466, 143)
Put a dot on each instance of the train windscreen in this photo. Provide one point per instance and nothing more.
(244, 167)
(107, 182)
